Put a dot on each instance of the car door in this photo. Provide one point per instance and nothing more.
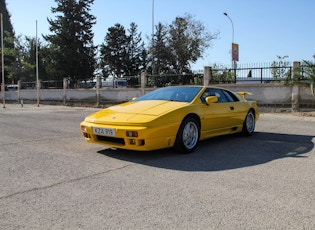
(217, 116)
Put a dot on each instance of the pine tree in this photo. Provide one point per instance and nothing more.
(71, 44)
(114, 51)
(8, 42)
(7, 25)
(161, 50)
(123, 54)
(135, 50)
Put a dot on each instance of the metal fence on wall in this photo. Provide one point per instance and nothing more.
(251, 75)
(244, 74)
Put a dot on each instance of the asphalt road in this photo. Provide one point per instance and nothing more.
(50, 178)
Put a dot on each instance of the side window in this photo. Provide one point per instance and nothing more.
(222, 97)
(205, 94)
(231, 97)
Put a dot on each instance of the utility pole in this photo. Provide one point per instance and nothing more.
(153, 48)
(2, 63)
(37, 79)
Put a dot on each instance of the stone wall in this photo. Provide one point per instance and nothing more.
(264, 94)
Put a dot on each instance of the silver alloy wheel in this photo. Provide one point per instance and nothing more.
(190, 135)
(250, 123)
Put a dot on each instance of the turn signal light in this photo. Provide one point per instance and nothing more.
(132, 134)
(83, 128)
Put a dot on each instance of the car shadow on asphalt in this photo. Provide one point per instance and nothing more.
(223, 153)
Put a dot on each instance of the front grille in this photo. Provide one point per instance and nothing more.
(115, 140)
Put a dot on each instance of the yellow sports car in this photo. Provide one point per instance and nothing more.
(176, 117)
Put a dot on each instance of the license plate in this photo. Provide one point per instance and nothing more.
(104, 131)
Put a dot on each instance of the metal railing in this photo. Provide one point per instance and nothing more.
(242, 75)
(251, 75)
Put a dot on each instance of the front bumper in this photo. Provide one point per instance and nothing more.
(147, 139)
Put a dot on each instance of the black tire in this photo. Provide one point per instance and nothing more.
(249, 124)
(187, 137)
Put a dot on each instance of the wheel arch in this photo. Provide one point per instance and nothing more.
(253, 110)
(249, 128)
(178, 144)
(196, 117)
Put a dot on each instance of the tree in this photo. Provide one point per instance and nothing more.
(71, 44)
(280, 70)
(187, 40)
(113, 51)
(220, 74)
(135, 48)
(7, 25)
(144, 59)
(122, 53)
(309, 70)
(25, 65)
(8, 43)
(175, 47)
(25, 62)
(160, 51)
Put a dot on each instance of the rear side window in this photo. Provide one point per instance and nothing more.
(223, 96)
(230, 96)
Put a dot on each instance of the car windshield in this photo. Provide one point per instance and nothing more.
(182, 94)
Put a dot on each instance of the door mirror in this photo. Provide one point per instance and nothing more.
(211, 99)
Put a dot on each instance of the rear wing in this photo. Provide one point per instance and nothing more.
(243, 94)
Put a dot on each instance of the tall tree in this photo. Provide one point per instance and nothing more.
(71, 44)
(8, 42)
(25, 63)
(114, 55)
(25, 69)
(135, 50)
(188, 40)
(7, 25)
(161, 51)
(122, 53)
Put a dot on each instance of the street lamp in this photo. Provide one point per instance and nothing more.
(232, 26)
(233, 62)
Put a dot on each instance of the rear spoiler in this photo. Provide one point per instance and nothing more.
(243, 94)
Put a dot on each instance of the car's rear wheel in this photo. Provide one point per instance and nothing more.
(249, 124)
(188, 136)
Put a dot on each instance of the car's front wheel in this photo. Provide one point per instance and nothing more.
(188, 136)
(249, 124)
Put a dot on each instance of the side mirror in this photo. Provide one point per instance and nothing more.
(211, 99)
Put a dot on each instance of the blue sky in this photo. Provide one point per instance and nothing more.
(263, 29)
